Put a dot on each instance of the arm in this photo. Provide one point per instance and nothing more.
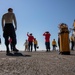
(44, 34)
(3, 22)
(28, 34)
(37, 42)
(49, 34)
(15, 22)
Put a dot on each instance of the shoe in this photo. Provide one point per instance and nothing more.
(9, 54)
(49, 50)
(46, 50)
(16, 50)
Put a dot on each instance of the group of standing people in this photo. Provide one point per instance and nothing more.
(30, 42)
(47, 40)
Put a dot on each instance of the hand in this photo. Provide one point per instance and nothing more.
(45, 32)
(15, 28)
(27, 32)
(3, 30)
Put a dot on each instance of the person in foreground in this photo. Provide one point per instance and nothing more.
(47, 40)
(9, 26)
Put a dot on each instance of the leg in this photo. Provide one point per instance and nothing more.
(7, 44)
(35, 47)
(49, 46)
(25, 48)
(6, 36)
(72, 45)
(53, 47)
(13, 37)
(31, 46)
(11, 46)
(46, 46)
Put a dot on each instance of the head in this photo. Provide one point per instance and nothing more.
(26, 40)
(10, 10)
(54, 39)
(72, 34)
(34, 38)
(47, 32)
(31, 34)
(74, 20)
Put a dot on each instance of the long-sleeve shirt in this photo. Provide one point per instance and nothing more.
(53, 42)
(47, 37)
(30, 38)
(9, 18)
(35, 42)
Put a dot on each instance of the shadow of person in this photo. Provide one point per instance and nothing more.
(18, 54)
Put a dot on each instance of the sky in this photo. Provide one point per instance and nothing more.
(36, 17)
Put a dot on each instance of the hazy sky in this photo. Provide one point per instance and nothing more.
(38, 16)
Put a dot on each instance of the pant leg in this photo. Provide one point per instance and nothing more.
(6, 36)
(11, 46)
(53, 47)
(48, 45)
(35, 47)
(31, 46)
(7, 44)
(13, 37)
(72, 45)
